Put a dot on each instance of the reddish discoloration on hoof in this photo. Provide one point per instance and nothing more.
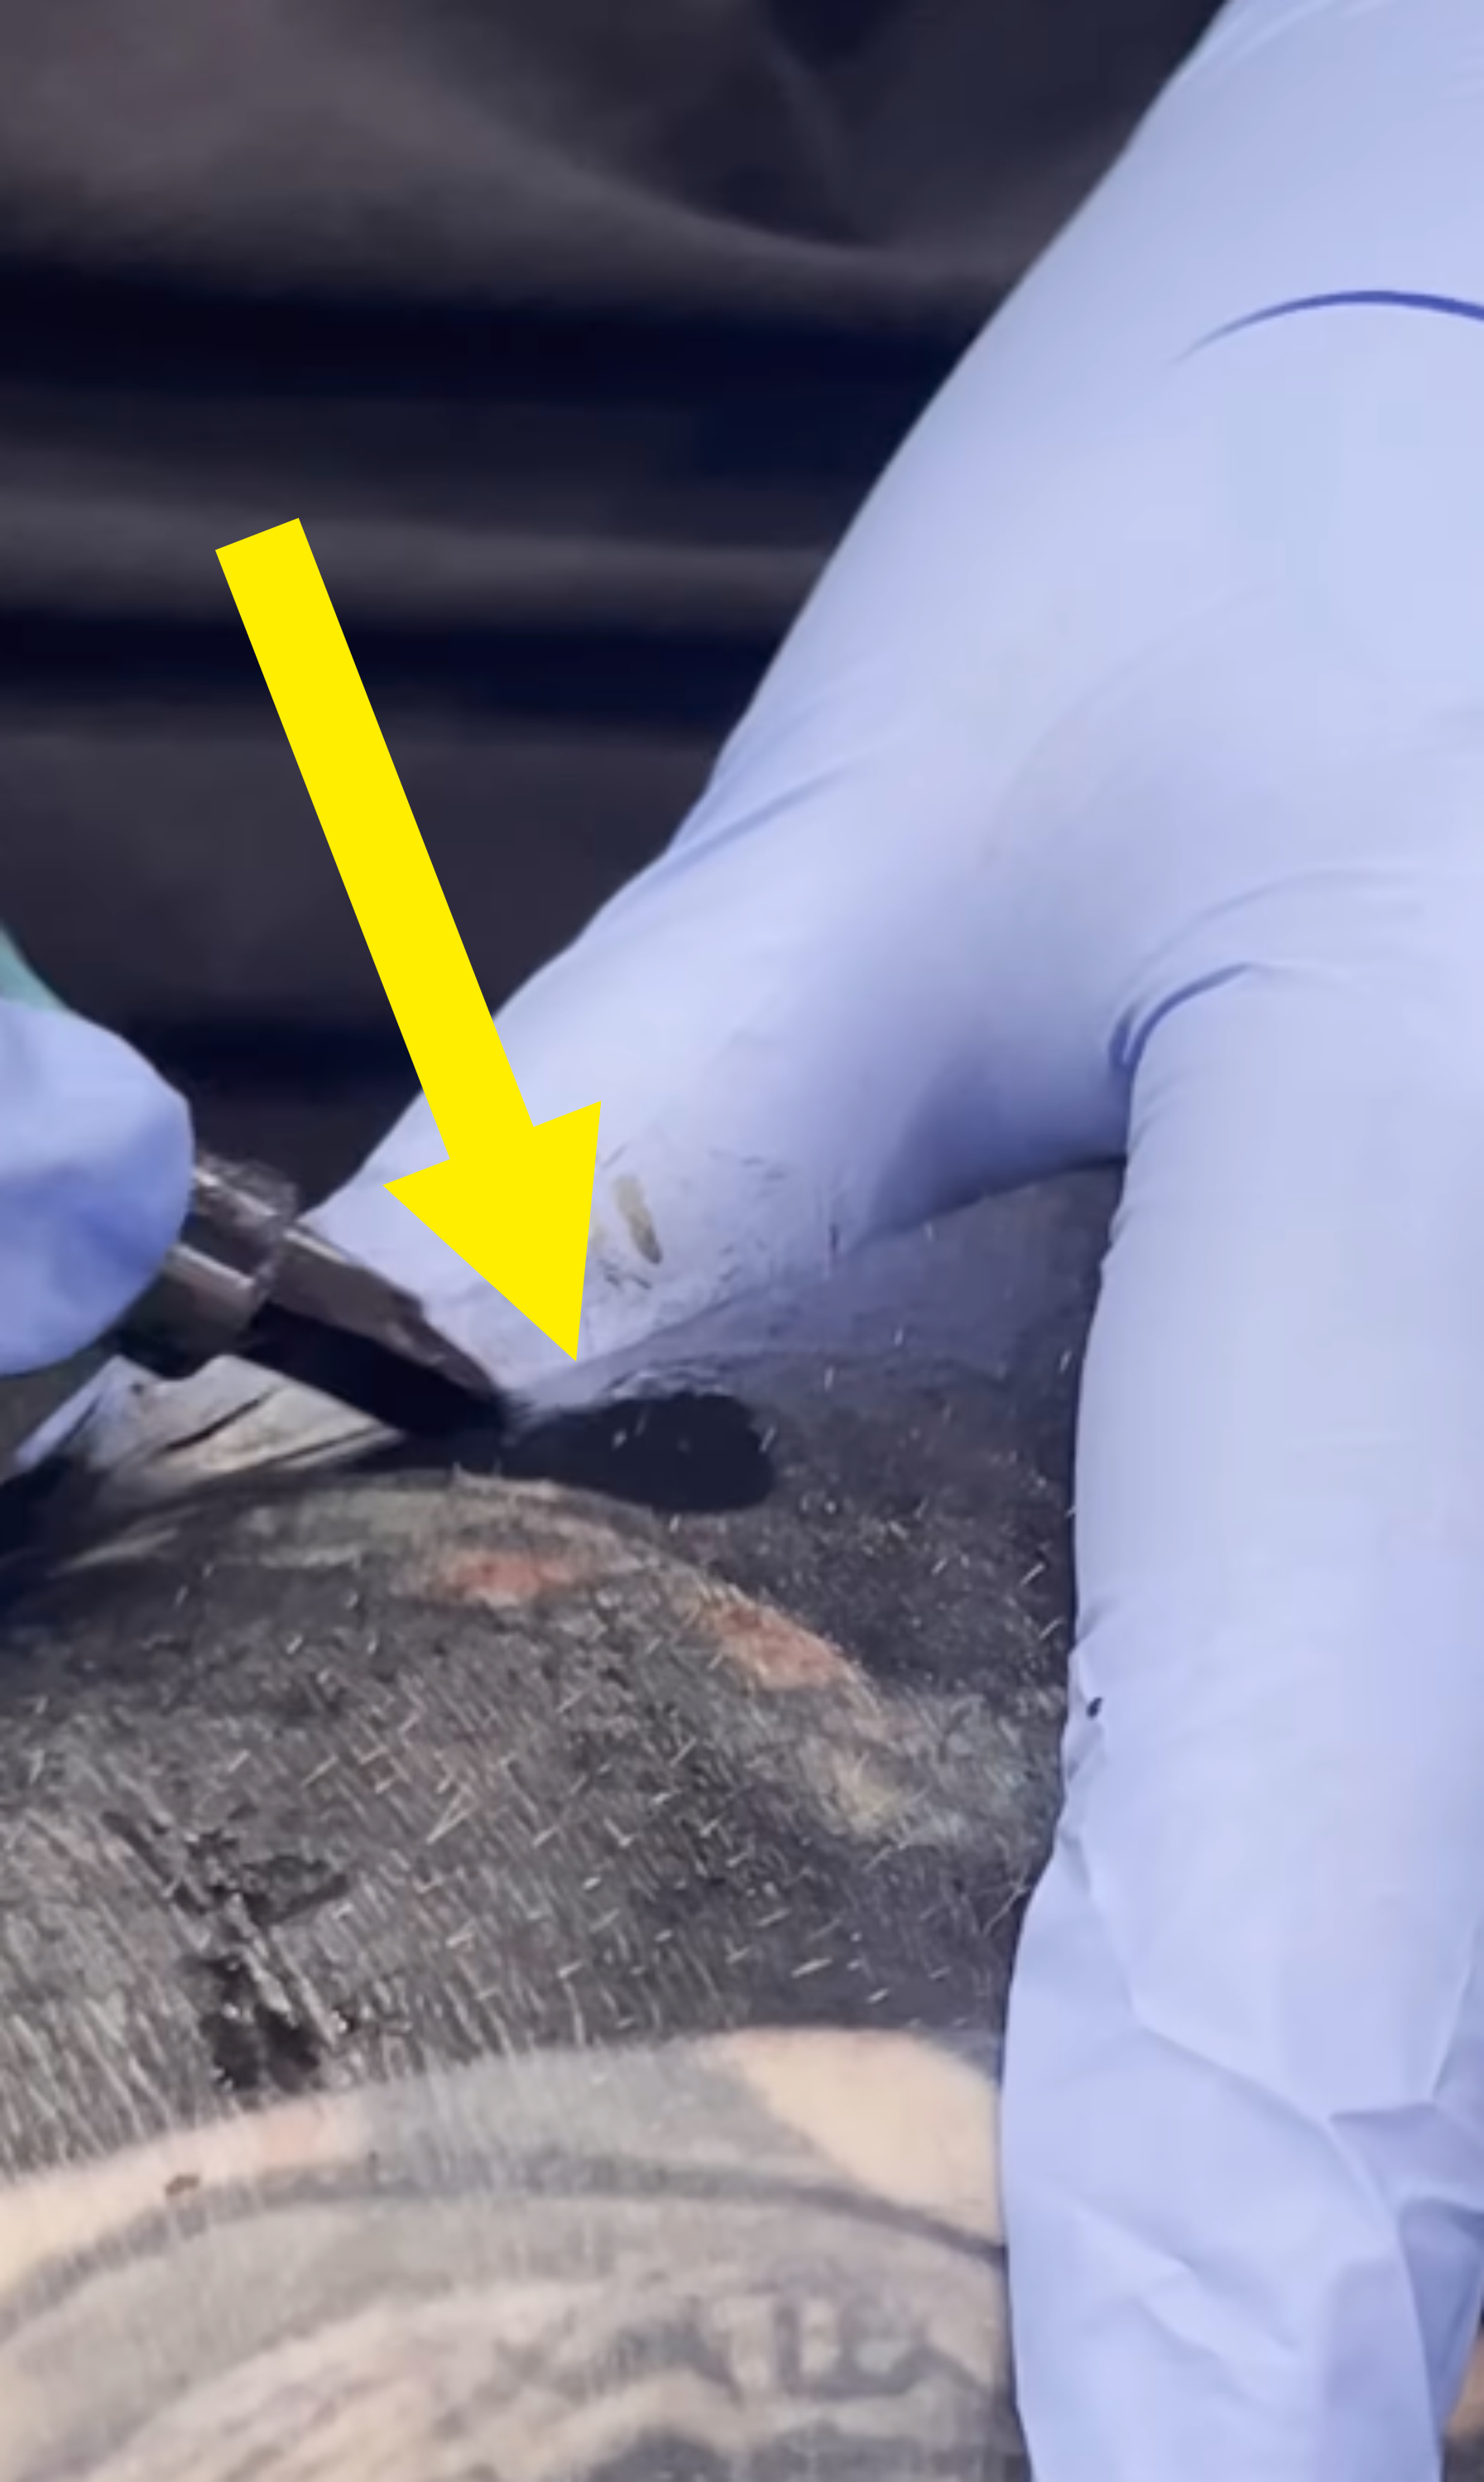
(505, 1580)
(773, 1652)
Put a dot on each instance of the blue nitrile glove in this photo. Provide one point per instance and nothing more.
(1122, 788)
(95, 1156)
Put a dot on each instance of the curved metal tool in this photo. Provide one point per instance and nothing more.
(247, 1278)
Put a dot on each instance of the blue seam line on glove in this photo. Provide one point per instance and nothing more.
(1445, 304)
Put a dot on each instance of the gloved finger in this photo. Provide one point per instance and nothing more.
(17, 979)
(95, 1156)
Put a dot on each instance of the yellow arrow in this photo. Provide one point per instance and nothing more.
(514, 1196)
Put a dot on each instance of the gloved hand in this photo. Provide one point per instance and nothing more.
(95, 1156)
(1122, 788)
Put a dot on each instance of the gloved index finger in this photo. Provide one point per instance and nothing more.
(18, 982)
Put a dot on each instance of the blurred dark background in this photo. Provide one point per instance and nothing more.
(573, 331)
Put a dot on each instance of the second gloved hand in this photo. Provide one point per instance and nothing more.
(95, 1160)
